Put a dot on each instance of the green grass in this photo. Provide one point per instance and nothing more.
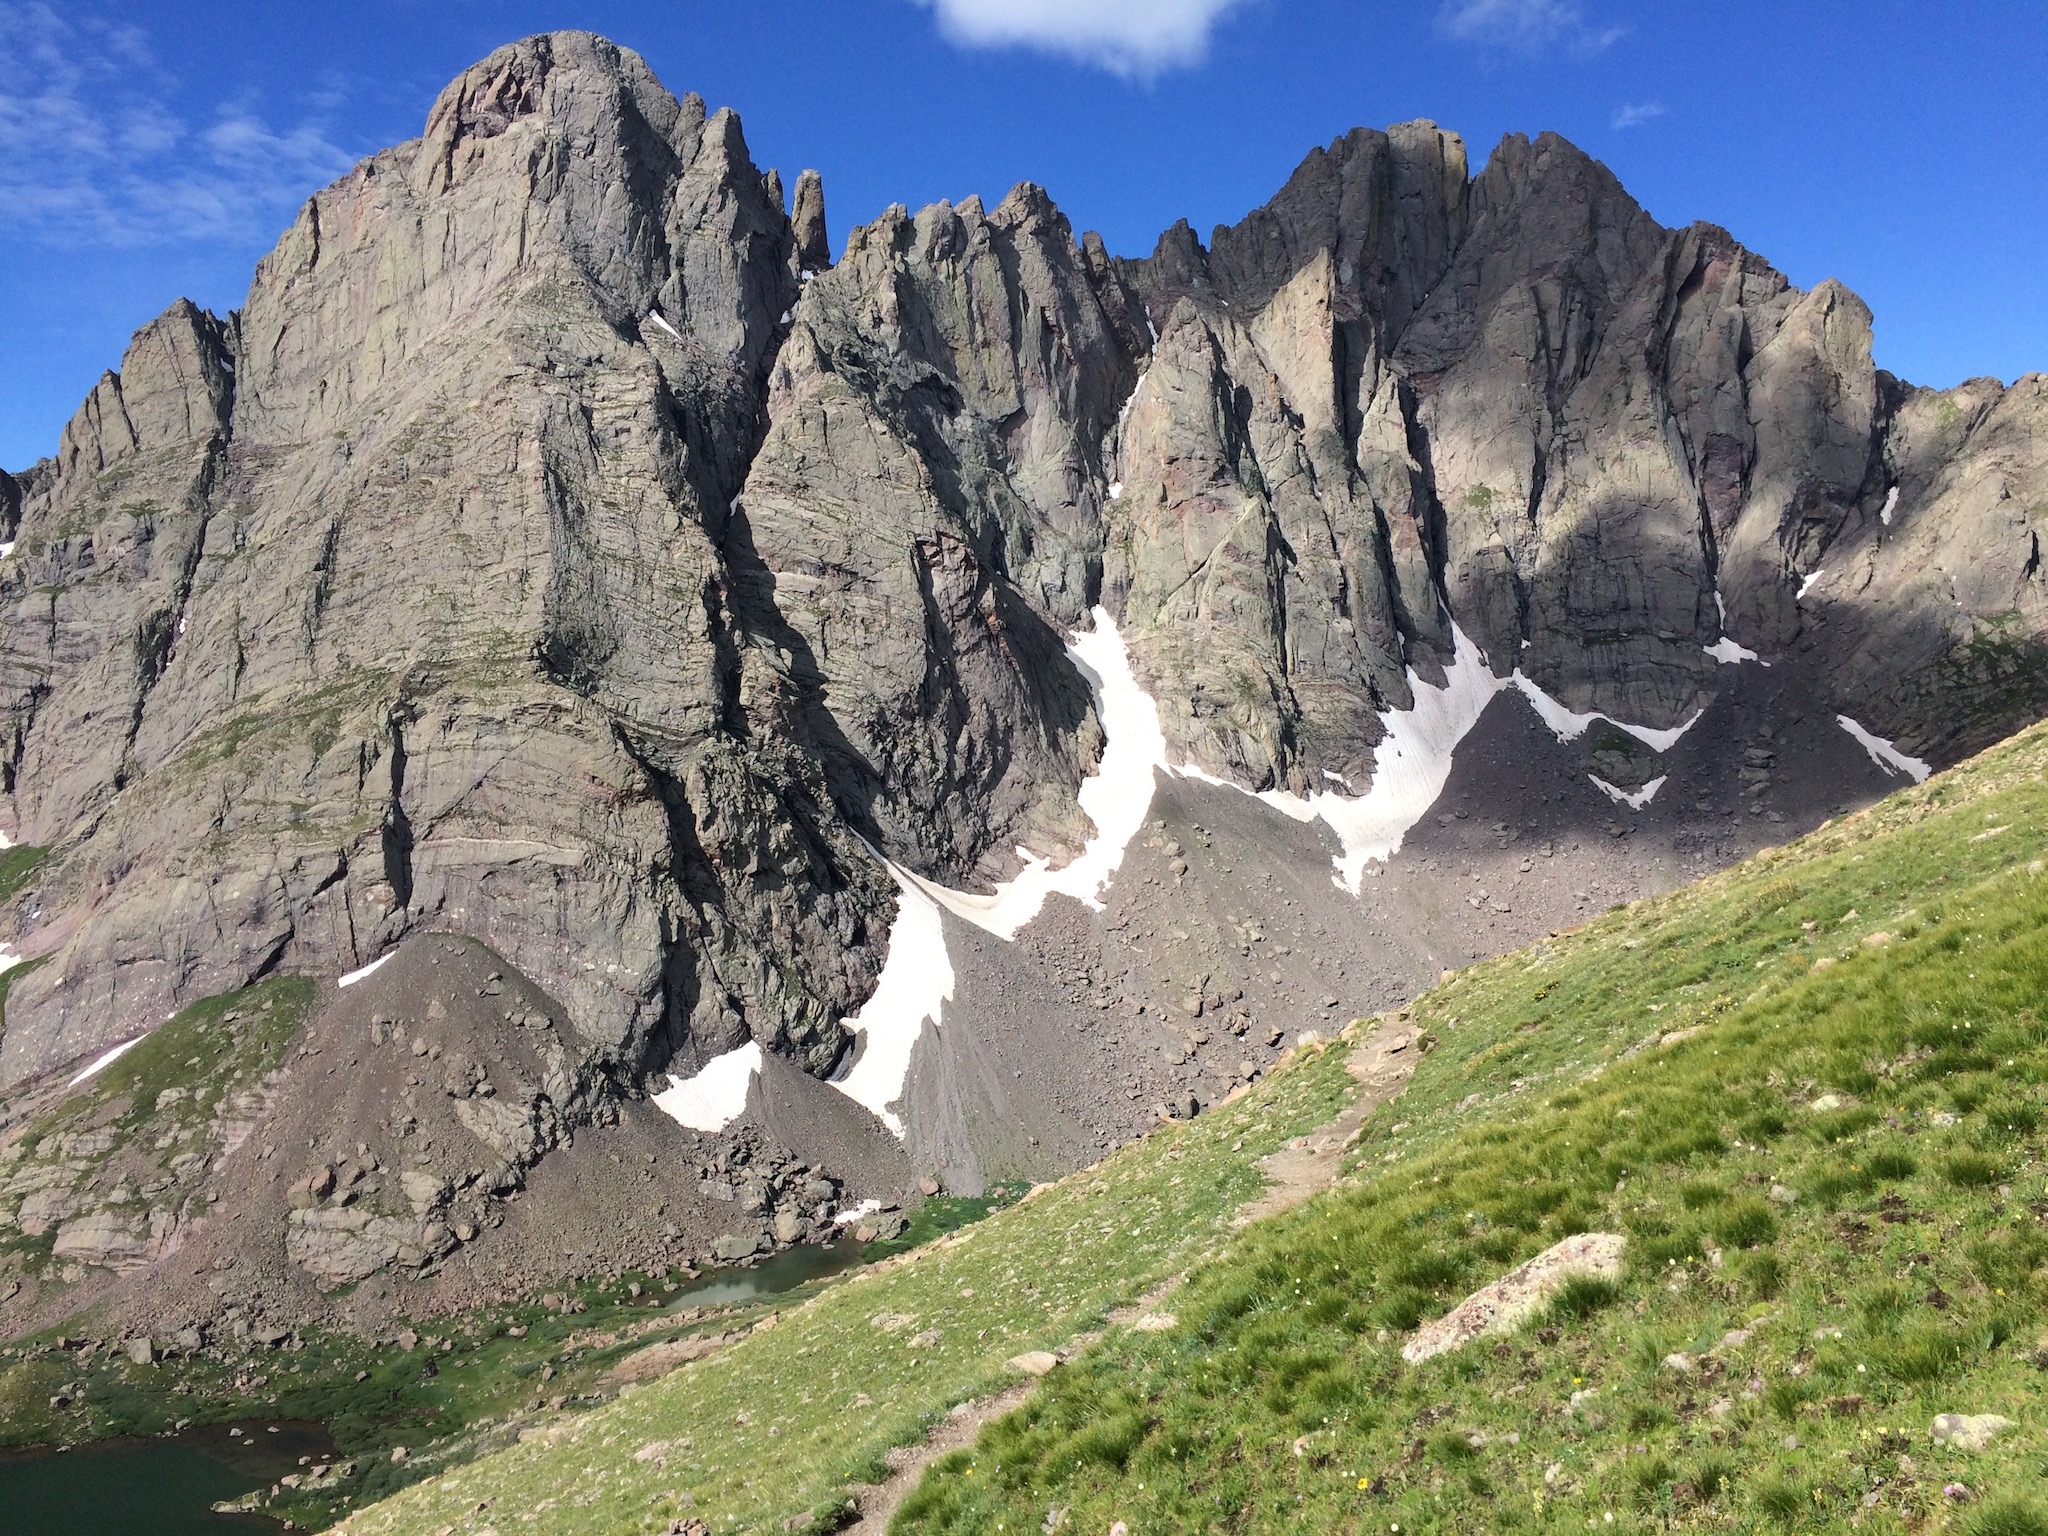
(164, 1099)
(1845, 1162)
(789, 1419)
(17, 865)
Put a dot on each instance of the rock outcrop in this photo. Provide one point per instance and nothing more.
(558, 547)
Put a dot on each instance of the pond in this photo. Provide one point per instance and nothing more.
(735, 1285)
(156, 1487)
(793, 1268)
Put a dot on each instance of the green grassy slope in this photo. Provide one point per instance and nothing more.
(779, 1426)
(1833, 1193)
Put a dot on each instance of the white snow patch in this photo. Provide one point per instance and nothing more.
(1659, 741)
(1884, 754)
(915, 984)
(1729, 652)
(1116, 490)
(1891, 505)
(656, 316)
(917, 975)
(6, 549)
(1566, 724)
(1115, 798)
(8, 958)
(1721, 607)
(1410, 766)
(1808, 585)
(853, 1213)
(5, 842)
(369, 970)
(786, 314)
(107, 1060)
(1569, 725)
(1636, 801)
(1336, 778)
(716, 1096)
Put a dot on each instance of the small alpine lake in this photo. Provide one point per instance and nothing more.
(164, 1486)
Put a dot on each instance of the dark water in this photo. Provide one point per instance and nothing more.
(771, 1276)
(150, 1487)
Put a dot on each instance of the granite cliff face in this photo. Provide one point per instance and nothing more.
(560, 549)
(399, 600)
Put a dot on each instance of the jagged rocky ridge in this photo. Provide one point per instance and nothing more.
(557, 550)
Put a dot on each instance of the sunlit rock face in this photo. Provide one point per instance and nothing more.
(561, 548)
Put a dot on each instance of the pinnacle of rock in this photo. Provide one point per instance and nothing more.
(813, 247)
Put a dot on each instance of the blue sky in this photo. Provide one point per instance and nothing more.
(149, 151)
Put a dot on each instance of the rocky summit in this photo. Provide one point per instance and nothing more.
(802, 727)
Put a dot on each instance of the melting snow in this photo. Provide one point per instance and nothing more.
(1807, 585)
(1570, 725)
(1891, 504)
(915, 984)
(656, 316)
(715, 1096)
(1410, 766)
(369, 970)
(1884, 754)
(107, 1060)
(1636, 801)
(1564, 723)
(1115, 798)
(853, 1213)
(1729, 652)
(917, 975)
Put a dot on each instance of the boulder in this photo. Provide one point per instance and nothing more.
(1518, 1295)
(1969, 1431)
(735, 1246)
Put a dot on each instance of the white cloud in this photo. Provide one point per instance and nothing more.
(1638, 113)
(1137, 38)
(1525, 26)
(94, 150)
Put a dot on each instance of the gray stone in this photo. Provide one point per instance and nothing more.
(813, 248)
(738, 1245)
(1969, 1431)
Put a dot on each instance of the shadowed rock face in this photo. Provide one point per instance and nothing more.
(556, 548)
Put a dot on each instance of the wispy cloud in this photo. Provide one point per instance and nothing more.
(94, 149)
(1638, 113)
(1133, 38)
(1524, 26)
